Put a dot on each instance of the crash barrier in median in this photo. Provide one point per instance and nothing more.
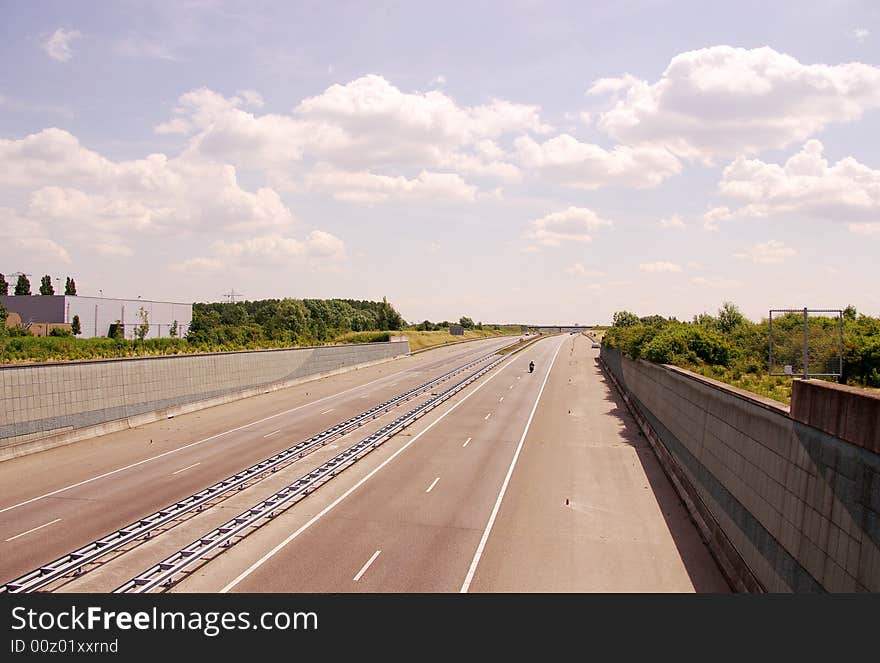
(47, 405)
(786, 503)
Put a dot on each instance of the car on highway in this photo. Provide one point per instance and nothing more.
(595, 345)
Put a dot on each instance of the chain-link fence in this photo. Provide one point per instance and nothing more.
(806, 342)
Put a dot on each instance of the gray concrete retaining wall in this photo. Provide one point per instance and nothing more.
(799, 505)
(47, 405)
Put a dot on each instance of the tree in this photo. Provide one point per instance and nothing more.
(4, 286)
(466, 322)
(75, 326)
(173, 330)
(625, 319)
(46, 286)
(70, 287)
(849, 313)
(116, 331)
(3, 314)
(705, 320)
(22, 286)
(729, 317)
(143, 327)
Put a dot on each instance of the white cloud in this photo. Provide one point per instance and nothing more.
(864, 228)
(578, 270)
(714, 215)
(317, 249)
(716, 282)
(26, 238)
(587, 166)
(365, 125)
(58, 44)
(674, 222)
(660, 266)
(694, 265)
(78, 193)
(364, 187)
(861, 34)
(769, 252)
(806, 184)
(251, 98)
(726, 102)
(275, 248)
(574, 224)
(199, 265)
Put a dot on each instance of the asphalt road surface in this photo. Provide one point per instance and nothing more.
(523, 482)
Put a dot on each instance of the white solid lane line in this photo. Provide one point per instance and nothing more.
(188, 467)
(367, 565)
(13, 538)
(487, 416)
(253, 567)
(328, 411)
(433, 483)
(466, 442)
(272, 433)
(479, 553)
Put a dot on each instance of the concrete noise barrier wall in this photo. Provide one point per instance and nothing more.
(797, 506)
(51, 404)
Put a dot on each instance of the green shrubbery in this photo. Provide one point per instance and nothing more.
(670, 342)
(734, 349)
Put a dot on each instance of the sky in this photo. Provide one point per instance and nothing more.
(537, 162)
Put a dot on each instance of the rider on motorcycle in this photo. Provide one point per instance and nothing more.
(531, 367)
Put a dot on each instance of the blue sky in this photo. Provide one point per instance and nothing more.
(548, 162)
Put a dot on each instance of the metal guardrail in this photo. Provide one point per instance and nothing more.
(162, 574)
(72, 563)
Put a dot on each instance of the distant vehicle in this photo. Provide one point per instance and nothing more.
(595, 345)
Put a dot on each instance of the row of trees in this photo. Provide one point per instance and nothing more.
(289, 320)
(23, 286)
(464, 322)
(731, 340)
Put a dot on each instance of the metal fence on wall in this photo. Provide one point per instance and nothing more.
(806, 342)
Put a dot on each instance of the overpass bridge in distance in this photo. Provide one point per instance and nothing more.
(528, 329)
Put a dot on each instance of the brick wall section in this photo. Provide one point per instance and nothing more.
(37, 401)
(801, 506)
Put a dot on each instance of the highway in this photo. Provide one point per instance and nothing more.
(54, 501)
(475, 500)
(521, 482)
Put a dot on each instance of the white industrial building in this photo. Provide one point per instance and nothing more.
(96, 314)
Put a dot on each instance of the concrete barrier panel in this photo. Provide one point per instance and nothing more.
(50, 404)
